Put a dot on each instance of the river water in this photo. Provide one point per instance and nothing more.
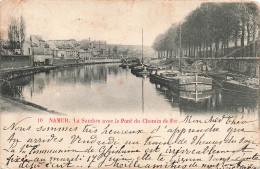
(107, 88)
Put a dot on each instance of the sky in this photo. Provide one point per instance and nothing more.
(117, 22)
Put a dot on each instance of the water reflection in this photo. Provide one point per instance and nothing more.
(212, 101)
(106, 88)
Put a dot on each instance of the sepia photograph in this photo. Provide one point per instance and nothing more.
(179, 57)
(141, 84)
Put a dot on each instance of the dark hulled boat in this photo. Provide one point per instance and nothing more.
(178, 81)
(242, 86)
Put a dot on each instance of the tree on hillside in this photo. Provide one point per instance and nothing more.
(115, 50)
(214, 30)
(22, 33)
(1, 43)
(165, 43)
(158, 42)
(16, 34)
(12, 34)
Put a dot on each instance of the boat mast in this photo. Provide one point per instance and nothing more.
(143, 95)
(142, 47)
(180, 51)
(142, 78)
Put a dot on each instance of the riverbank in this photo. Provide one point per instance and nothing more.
(12, 105)
(12, 73)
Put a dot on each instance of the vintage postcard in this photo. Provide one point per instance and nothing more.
(129, 84)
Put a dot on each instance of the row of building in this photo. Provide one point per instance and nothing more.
(61, 51)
